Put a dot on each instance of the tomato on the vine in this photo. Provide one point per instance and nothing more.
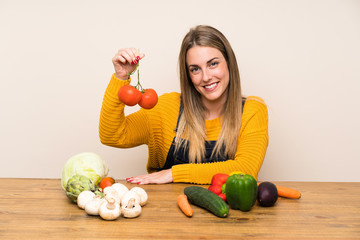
(106, 182)
(148, 99)
(129, 95)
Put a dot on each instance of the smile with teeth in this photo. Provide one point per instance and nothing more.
(211, 86)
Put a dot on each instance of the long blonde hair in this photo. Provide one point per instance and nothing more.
(191, 124)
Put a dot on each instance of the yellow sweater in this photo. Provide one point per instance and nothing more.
(155, 127)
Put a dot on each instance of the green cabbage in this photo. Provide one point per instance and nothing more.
(87, 164)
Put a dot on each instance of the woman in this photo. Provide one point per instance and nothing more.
(207, 129)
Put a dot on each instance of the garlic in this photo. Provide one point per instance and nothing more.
(142, 194)
(92, 206)
(120, 188)
(110, 210)
(130, 195)
(131, 210)
(84, 197)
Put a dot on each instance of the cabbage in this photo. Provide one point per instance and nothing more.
(87, 164)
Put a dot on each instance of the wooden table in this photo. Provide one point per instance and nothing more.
(39, 209)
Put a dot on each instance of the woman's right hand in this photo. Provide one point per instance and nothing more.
(125, 62)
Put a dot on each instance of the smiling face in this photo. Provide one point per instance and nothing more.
(209, 73)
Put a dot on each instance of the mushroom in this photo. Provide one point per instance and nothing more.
(142, 194)
(110, 210)
(130, 195)
(120, 188)
(92, 206)
(132, 209)
(84, 197)
(111, 192)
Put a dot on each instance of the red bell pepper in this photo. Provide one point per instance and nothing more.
(217, 185)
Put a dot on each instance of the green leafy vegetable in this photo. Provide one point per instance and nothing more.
(77, 184)
(86, 164)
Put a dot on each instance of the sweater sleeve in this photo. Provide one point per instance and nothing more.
(252, 145)
(116, 129)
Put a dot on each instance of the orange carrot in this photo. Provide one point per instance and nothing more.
(184, 205)
(288, 192)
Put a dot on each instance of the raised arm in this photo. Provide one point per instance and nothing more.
(116, 129)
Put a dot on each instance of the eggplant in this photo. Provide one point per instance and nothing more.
(267, 194)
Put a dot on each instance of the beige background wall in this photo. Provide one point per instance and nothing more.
(302, 57)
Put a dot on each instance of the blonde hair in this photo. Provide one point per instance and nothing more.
(191, 124)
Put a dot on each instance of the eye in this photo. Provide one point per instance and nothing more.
(194, 69)
(214, 64)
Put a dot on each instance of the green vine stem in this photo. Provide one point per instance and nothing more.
(138, 85)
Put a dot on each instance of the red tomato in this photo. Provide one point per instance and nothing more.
(106, 182)
(148, 99)
(129, 95)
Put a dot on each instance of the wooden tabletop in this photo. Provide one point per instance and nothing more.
(39, 209)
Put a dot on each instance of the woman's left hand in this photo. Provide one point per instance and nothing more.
(161, 177)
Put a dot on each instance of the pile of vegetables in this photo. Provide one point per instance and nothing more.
(237, 191)
(85, 180)
(118, 201)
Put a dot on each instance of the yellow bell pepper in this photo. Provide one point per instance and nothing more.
(237, 172)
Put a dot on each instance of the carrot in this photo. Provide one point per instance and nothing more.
(287, 192)
(184, 205)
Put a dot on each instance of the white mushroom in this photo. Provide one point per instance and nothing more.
(110, 210)
(120, 188)
(84, 197)
(92, 206)
(130, 195)
(131, 210)
(111, 192)
(142, 194)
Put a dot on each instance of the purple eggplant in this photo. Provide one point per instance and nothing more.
(267, 194)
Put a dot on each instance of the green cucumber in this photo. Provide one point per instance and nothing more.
(208, 200)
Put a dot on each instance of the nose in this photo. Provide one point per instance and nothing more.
(206, 75)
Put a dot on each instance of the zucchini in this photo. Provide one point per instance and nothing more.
(208, 200)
